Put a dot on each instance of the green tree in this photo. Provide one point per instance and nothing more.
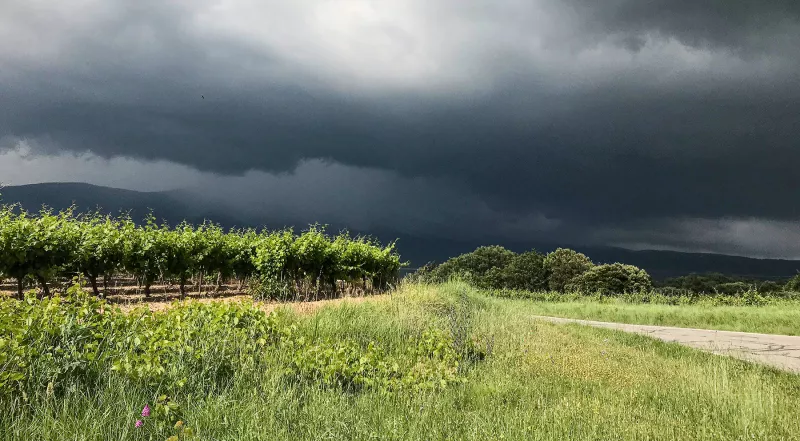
(524, 271)
(563, 265)
(476, 267)
(615, 278)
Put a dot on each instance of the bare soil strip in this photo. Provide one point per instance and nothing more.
(128, 296)
(780, 351)
(299, 307)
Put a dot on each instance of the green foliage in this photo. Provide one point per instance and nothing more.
(39, 246)
(240, 251)
(701, 283)
(541, 381)
(423, 274)
(274, 265)
(525, 271)
(657, 296)
(563, 266)
(47, 345)
(45, 342)
(313, 262)
(478, 267)
(494, 267)
(793, 284)
(185, 251)
(769, 287)
(430, 362)
(165, 417)
(714, 283)
(610, 279)
(567, 273)
(734, 288)
(279, 265)
(146, 251)
(191, 341)
(100, 249)
(221, 254)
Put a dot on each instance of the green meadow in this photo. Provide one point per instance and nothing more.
(428, 362)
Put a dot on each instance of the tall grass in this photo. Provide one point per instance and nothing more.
(538, 381)
(783, 319)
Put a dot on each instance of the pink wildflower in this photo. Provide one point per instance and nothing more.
(146, 411)
(139, 423)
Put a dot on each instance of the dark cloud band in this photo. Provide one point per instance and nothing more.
(591, 113)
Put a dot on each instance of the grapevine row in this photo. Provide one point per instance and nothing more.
(275, 264)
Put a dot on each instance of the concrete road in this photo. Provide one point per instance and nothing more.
(780, 351)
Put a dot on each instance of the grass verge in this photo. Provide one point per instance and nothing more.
(771, 319)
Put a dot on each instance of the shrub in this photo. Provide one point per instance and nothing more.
(100, 249)
(733, 288)
(430, 362)
(615, 278)
(563, 265)
(700, 283)
(56, 343)
(793, 284)
(146, 251)
(50, 247)
(671, 291)
(769, 287)
(423, 274)
(37, 246)
(51, 341)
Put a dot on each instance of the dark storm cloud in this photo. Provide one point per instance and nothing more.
(737, 24)
(594, 113)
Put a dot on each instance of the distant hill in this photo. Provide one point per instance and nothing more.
(170, 206)
(664, 264)
(175, 206)
(659, 264)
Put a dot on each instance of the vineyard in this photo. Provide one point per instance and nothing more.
(114, 254)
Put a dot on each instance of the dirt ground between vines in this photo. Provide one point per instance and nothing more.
(164, 296)
(157, 304)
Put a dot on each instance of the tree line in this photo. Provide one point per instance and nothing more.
(494, 267)
(566, 270)
(46, 246)
(715, 283)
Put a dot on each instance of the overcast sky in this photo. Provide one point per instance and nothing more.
(667, 124)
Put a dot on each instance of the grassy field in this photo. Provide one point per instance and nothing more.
(781, 319)
(528, 381)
